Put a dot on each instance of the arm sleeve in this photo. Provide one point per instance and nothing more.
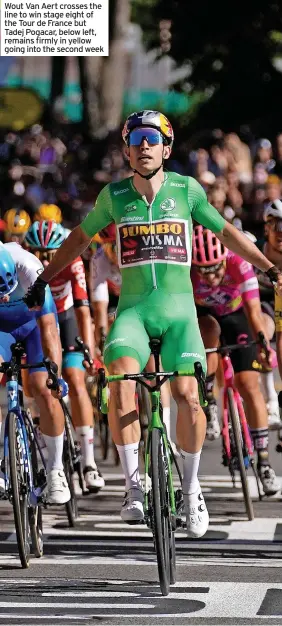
(201, 210)
(244, 275)
(28, 266)
(101, 215)
(78, 283)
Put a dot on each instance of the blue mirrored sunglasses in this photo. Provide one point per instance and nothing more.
(152, 136)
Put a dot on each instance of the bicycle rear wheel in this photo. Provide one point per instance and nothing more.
(160, 511)
(18, 489)
(238, 440)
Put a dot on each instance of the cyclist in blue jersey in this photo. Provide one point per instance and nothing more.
(38, 332)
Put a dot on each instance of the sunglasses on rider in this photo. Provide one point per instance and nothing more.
(45, 255)
(152, 136)
(211, 269)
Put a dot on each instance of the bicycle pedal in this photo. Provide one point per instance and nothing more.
(135, 522)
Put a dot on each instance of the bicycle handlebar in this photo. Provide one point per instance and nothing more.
(52, 369)
(225, 350)
(85, 349)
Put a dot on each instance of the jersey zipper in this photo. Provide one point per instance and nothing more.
(154, 277)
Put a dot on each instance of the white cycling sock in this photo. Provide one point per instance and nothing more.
(85, 436)
(55, 452)
(191, 461)
(269, 391)
(129, 459)
(166, 420)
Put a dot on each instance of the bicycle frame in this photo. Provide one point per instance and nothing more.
(15, 406)
(229, 382)
(156, 420)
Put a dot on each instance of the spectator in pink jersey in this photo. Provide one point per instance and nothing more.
(227, 298)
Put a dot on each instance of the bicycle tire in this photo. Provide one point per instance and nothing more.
(236, 429)
(71, 506)
(19, 498)
(145, 411)
(104, 435)
(35, 512)
(160, 512)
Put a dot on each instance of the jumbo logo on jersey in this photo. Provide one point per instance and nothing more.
(163, 241)
(168, 204)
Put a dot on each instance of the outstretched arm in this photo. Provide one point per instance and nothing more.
(236, 241)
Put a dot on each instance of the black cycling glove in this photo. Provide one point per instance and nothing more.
(272, 274)
(35, 296)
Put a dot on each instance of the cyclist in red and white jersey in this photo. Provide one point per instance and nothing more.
(228, 305)
(70, 295)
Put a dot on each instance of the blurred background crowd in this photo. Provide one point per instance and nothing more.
(217, 81)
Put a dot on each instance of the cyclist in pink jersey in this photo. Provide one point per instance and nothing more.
(228, 305)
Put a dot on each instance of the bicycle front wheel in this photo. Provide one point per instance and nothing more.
(68, 455)
(160, 511)
(18, 489)
(238, 440)
(35, 512)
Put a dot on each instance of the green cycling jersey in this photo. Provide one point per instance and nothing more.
(154, 255)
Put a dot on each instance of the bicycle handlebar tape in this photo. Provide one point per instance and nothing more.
(272, 274)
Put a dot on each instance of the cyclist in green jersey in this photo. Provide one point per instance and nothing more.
(153, 212)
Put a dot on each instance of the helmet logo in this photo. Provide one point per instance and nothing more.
(168, 204)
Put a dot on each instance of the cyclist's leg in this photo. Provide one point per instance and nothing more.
(81, 406)
(121, 358)
(82, 417)
(210, 331)
(100, 302)
(51, 419)
(267, 378)
(235, 329)
(182, 346)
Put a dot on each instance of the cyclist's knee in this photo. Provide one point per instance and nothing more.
(38, 387)
(210, 330)
(247, 383)
(187, 396)
(76, 381)
(269, 326)
(121, 393)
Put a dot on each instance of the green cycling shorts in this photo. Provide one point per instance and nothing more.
(160, 315)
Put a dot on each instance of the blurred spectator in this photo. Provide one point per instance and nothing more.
(273, 188)
(264, 154)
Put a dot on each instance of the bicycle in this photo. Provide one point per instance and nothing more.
(24, 481)
(163, 503)
(238, 450)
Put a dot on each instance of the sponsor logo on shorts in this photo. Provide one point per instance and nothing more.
(177, 184)
(168, 204)
(193, 354)
(117, 340)
(117, 193)
(132, 218)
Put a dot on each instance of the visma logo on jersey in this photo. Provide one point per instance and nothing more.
(164, 240)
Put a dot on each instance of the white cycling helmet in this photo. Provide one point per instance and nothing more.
(273, 210)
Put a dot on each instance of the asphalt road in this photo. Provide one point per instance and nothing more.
(104, 572)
